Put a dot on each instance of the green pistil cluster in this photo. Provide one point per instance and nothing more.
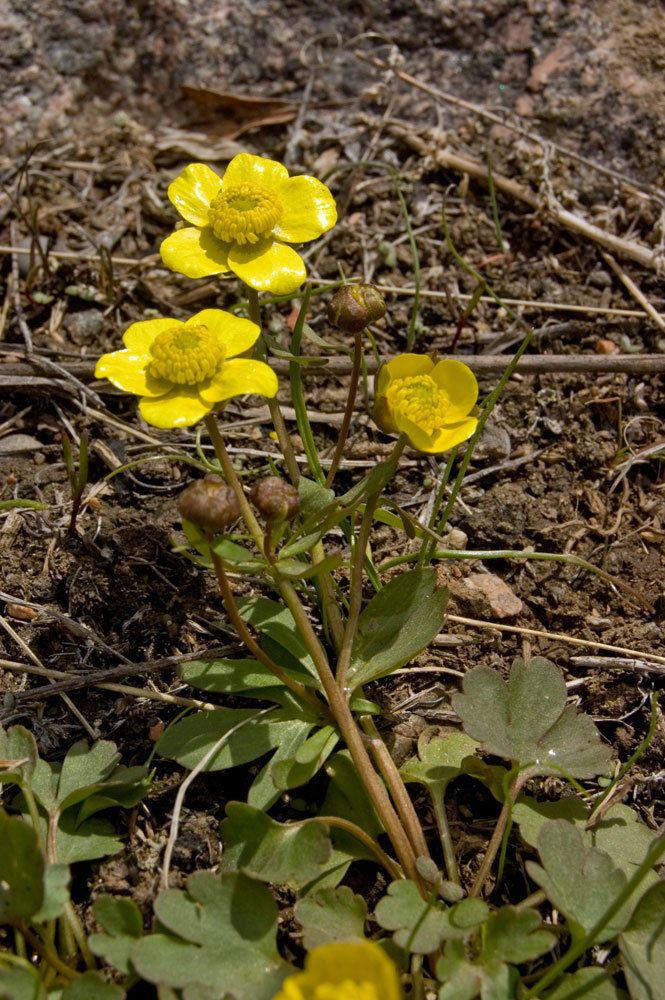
(186, 355)
(244, 213)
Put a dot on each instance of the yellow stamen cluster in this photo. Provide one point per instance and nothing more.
(419, 398)
(186, 355)
(244, 213)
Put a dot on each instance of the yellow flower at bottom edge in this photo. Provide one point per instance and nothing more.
(346, 971)
(182, 371)
(431, 402)
(241, 222)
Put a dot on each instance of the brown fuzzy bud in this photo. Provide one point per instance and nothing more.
(209, 504)
(353, 307)
(276, 499)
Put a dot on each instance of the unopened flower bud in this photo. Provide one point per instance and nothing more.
(209, 504)
(353, 307)
(276, 499)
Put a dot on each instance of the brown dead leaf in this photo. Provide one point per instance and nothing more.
(232, 114)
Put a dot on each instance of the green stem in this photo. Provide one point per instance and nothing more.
(427, 545)
(49, 953)
(356, 831)
(441, 817)
(356, 589)
(348, 410)
(497, 836)
(344, 718)
(232, 480)
(396, 787)
(247, 638)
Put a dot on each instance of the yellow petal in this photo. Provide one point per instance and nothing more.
(407, 365)
(139, 337)
(460, 384)
(448, 437)
(181, 407)
(195, 252)
(245, 168)
(237, 378)
(268, 266)
(193, 190)
(237, 334)
(308, 210)
(356, 961)
(128, 371)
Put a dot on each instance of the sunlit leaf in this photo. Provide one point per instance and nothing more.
(423, 925)
(329, 915)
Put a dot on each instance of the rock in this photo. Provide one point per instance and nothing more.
(14, 444)
(484, 595)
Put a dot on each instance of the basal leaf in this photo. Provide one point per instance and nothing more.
(329, 915)
(94, 838)
(286, 853)
(21, 982)
(263, 791)
(248, 678)
(18, 751)
(581, 882)
(527, 720)
(56, 893)
(642, 945)
(21, 870)
(619, 832)
(439, 760)
(589, 983)
(516, 936)
(347, 797)
(91, 984)
(309, 758)
(423, 925)
(464, 979)
(190, 739)
(279, 634)
(219, 933)
(123, 924)
(399, 622)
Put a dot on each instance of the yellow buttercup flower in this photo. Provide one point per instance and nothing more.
(184, 370)
(243, 221)
(346, 971)
(431, 402)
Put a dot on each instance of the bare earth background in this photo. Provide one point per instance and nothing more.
(93, 90)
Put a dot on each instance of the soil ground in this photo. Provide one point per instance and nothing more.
(565, 99)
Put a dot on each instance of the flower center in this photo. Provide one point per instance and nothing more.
(419, 398)
(346, 990)
(244, 213)
(186, 355)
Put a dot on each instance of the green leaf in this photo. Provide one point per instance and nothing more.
(220, 933)
(619, 832)
(21, 870)
(19, 751)
(464, 980)
(290, 854)
(56, 893)
(91, 984)
(347, 796)
(396, 625)
(263, 792)
(21, 983)
(515, 936)
(404, 910)
(527, 721)
(293, 569)
(309, 758)
(330, 915)
(122, 921)
(246, 677)
(642, 945)
(590, 983)
(581, 882)
(313, 498)
(190, 739)
(279, 634)
(95, 838)
(439, 760)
